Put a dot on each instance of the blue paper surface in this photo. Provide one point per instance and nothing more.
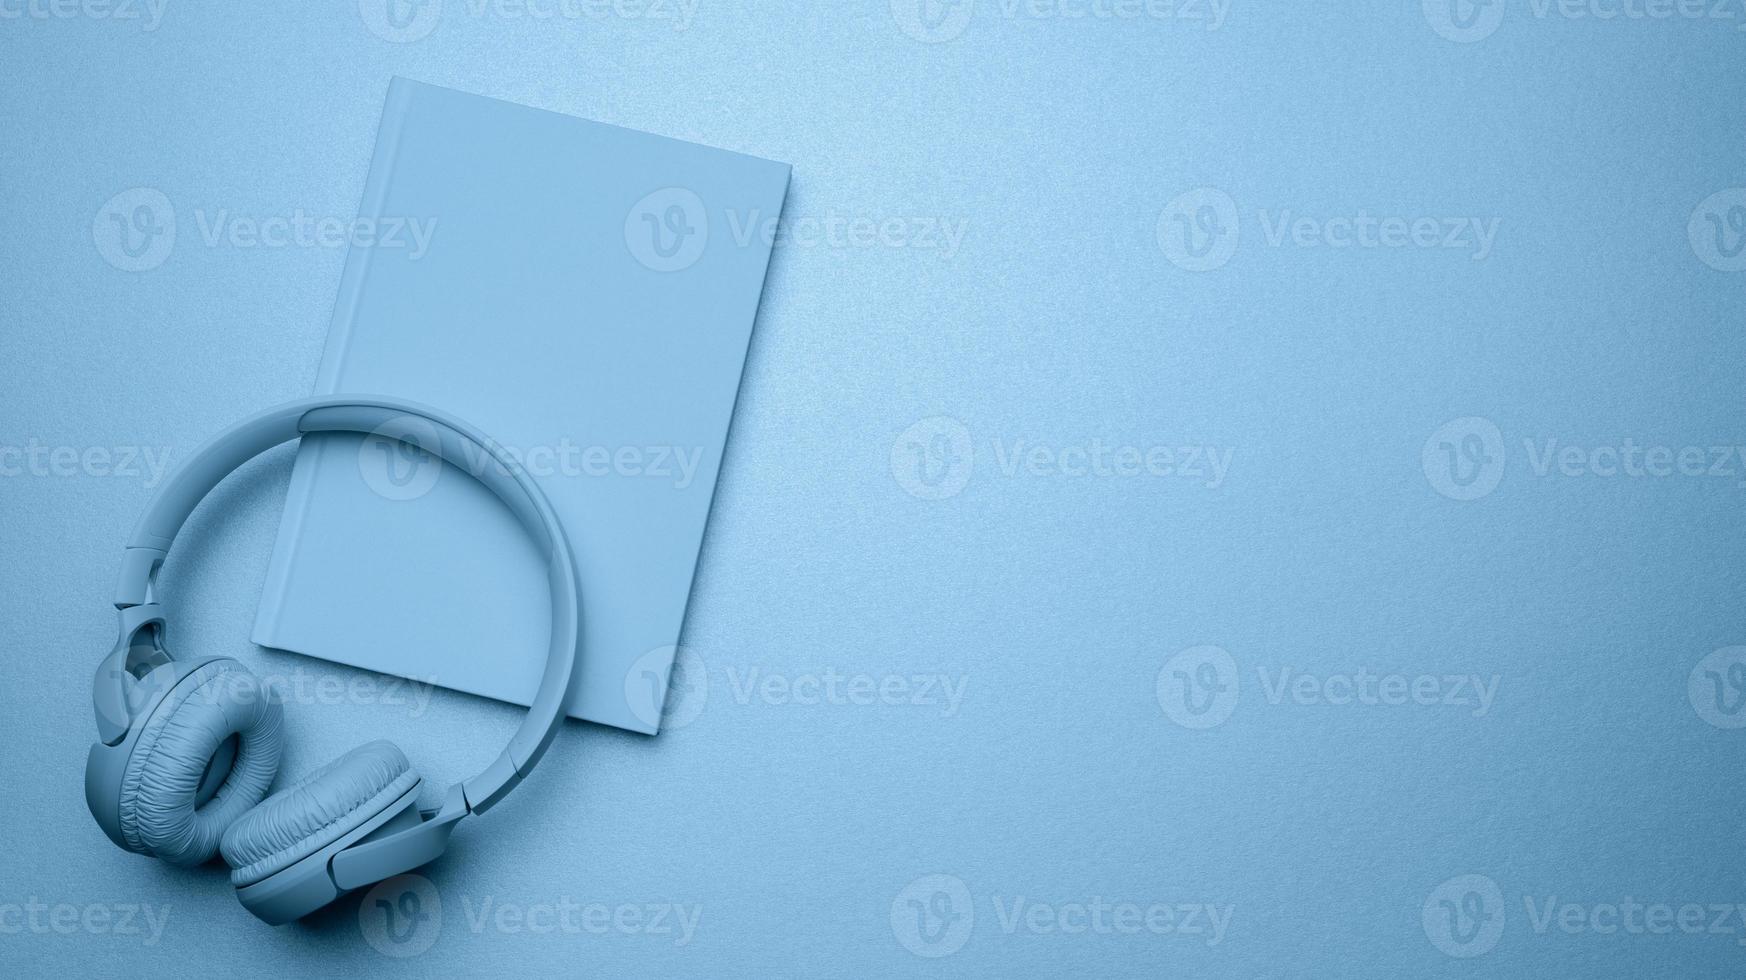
(575, 289)
(789, 827)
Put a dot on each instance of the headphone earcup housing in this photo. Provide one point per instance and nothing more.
(282, 850)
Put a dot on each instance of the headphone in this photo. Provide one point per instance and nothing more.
(187, 749)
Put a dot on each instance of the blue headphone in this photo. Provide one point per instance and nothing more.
(187, 749)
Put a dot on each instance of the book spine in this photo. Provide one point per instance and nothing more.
(267, 629)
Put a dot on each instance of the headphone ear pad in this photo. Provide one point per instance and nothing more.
(161, 811)
(319, 809)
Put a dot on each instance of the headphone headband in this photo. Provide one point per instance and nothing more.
(394, 418)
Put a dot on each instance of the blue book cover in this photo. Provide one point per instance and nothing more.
(578, 291)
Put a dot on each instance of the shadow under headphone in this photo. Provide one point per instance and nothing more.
(187, 749)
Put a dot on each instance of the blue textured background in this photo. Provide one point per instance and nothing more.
(798, 833)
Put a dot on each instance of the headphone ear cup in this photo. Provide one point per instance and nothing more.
(319, 809)
(206, 754)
